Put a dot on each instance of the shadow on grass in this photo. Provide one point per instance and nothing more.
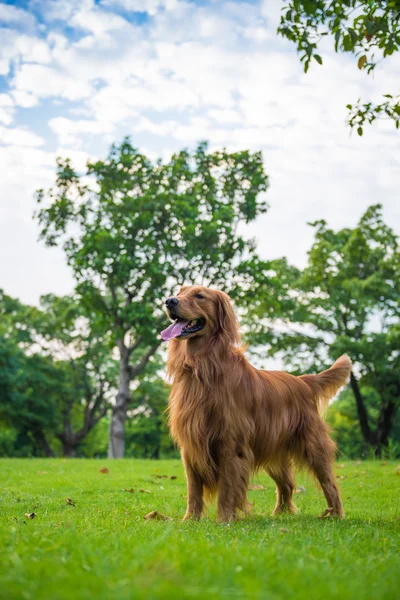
(301, 522)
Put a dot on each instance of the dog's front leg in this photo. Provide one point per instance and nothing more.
(234, 472)
(194, 491)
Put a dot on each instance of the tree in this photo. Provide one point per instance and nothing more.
(342, 417)
(83, 357)
(148, 435)
(347, 299)
(133, 230)
(369, 29)
(27, 381)
(55, 373)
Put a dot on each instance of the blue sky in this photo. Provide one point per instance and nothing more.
(77, 75)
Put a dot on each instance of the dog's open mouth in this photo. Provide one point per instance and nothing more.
(181, 328)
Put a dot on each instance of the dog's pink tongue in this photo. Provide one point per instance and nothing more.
(173, 330)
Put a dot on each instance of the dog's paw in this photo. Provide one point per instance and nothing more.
(331, 512)
(191, 517)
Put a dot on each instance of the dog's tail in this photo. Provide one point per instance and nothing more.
(325, 385)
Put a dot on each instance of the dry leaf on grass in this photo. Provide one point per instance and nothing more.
(283, 530)
(300, 490)
(41, 472)
(145, 491)
(358, 463)
(256, 487)
(340, 477)
(398, 470)
(104, 470)
(341, 466)
(131, 491)
(69, 501)
(30, 515)
(161, 476)
(158, 516)
(384, 463)
(173, 477)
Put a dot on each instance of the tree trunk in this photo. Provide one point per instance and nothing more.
(68, 449)
(42, 443)
(385, 424)
(380, 437)
(156, 452)
(361, 411)
(116, 447)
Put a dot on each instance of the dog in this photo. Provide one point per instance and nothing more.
(231, 419)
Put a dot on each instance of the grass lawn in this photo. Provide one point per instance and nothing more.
(102, 547)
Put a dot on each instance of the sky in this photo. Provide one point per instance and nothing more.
(77, 75)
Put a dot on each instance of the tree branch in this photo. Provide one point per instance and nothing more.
(135, 345)
(138, 368)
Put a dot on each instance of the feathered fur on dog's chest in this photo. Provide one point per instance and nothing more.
(198, 419)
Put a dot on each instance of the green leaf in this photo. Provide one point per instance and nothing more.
(360, 131)
(318, 58)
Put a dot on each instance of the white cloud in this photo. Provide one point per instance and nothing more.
(24, 98)
(60, 10)
(78, 158)
(16, 16)
(69, 132)
(149, 6)
(16, 47)
(225, 116)
(4, 66)
(97, 21)
(19, 136)
(6, 109)
(6, 116)
(44, 82)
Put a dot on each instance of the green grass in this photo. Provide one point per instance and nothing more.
(102, 548)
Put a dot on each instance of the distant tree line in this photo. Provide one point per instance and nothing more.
(83, 375)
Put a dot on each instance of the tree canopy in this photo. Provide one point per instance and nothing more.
(55, 374)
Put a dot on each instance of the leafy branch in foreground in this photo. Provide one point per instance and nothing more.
(359, 113)
(369, 29)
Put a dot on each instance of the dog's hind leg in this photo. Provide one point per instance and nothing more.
(320, 455)
(282, 474)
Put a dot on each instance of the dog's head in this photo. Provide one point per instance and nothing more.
(197, 311)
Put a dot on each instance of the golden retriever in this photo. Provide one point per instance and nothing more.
(230, 419)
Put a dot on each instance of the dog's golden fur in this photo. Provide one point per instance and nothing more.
(230, 418)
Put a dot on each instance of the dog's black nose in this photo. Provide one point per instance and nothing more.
(172, 302)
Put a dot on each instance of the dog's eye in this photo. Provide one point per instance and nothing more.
(199, 296)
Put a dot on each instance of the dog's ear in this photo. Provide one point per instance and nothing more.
(228, 323)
